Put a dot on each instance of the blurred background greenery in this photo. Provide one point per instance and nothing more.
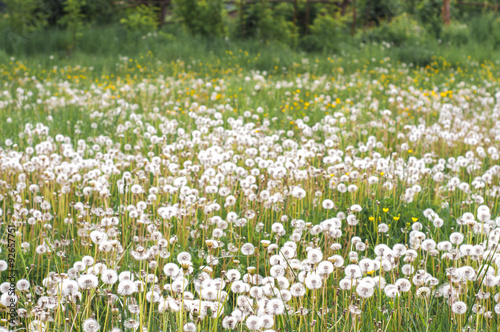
(411, 31)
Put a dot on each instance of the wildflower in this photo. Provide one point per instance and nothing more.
(184, 257)
(356, 208)
(7, 299)
(171, 269)
(314, 256)
(189, 327)
(459, 307)
(253, 323)
(247, 249)
(456, 238)
(364, 290)
(91, 325)
(126, 287)
(403, 285)
(391, 291)
(131, 324)
(325, 268)
(328, 204)
(88, 281)
(313, 281)
(275, 307)
(23, 285)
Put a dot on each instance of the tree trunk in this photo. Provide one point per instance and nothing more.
(446, 12)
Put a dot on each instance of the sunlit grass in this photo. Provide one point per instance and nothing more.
(208, 193)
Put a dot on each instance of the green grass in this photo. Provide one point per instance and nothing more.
(98, 96)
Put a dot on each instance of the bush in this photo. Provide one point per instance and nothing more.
(455, 33)
(73, 22)
(142, 18)
(201, 17)
(429, 12)
(99, 11)
(22, 19)
(402, 30)
(420, 56)
(482, 27)
(327, 31)
(266, 24)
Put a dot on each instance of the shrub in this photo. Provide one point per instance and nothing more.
(201, 17)
(141, 18)
(327, 30)
(22, 19)
(73, 22)
(99, 11)
(273, 26)
(266, 24)
(402, 30)
(482, 27)
(429, 12)
(455, 33)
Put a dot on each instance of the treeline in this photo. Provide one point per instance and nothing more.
(311, 25)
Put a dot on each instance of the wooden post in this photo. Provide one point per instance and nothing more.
(307, 17)
(353, 28)
(446, 12)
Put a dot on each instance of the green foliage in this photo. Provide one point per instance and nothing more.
(269, 24)
(22, 19)
(455, 33)
(327, 31)
(483, 26)
(73, 22)
(201, 17)
(21, 16)
(429, 12)
(141, 18)
(402, 30)
(99, 11)
(496, 33)
(375, 12)
(420, 56)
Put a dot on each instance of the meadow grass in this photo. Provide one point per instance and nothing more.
(190, 185)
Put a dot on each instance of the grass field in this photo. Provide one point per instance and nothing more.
(240, 187)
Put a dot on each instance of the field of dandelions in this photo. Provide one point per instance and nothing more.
(192, 196)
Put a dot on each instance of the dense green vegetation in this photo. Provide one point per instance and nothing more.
(410, 31)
